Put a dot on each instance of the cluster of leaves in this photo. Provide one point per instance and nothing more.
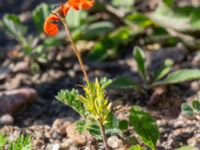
(193, 109)
(160, 77)
(94, 106)
(109, 38)
(184, 22)
(34, 45)
(21, 143)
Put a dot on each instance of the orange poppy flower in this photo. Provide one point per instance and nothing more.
(51, 22)
(81, 4)
(51, 26)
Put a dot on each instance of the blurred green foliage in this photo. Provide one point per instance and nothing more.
(161, 77)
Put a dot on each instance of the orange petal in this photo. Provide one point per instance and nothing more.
(81, 4)
(64, 9)
(87, 4)
(51, 26)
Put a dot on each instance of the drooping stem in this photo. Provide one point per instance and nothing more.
(102, 128)
(76, 50)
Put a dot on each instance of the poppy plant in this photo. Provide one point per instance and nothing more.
(51, 23)
(51, 28)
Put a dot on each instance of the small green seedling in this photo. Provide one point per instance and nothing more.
(94, 107)
(3, 141)
(193, 109)
(33, 45)
(161, 77)
(21, 143)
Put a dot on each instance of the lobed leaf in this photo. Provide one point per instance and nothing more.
(71, 98)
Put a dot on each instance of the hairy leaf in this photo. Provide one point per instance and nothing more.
(145, 126)
(71, 98)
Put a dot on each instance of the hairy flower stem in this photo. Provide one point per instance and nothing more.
(76, 50)
(102, 128)
(78, 55)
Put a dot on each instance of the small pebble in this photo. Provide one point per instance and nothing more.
(114, 142)
(6, 119)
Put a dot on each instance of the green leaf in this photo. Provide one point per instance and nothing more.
(39, 15)
(122, 35)
(22, 143)
(81, 126)
(196, 105)
(105, 48)
(76, 18)
(104, 82)
(112, 121)
(168, 3)
(119, 3)
(14, 26)
(123, 82)
(112, 126)
(139, 19)
(166, 68)
(135, 147)
(145, 126)
(70, 98)
(123, 125)
(184, 19)
(3, 141)
(97, 29)
(51, 42)
(180, 76)
(90, 126)
(140, 60)
(95, 131)
(187, 109)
